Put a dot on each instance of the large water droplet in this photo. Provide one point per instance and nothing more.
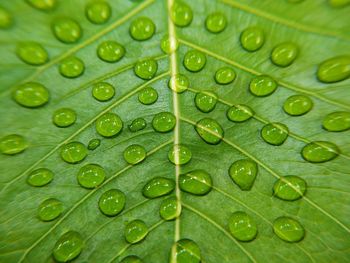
(146, 69)
(181, 14)
(165, 44)
(209, 130)
(164, 122)
(275, 133)
(197, 182)
(93, 144)
(110, 51)
(73, 152)
(134, 154)
(242, 226)
(320, 151)
(179, 154)
(252, 39)
(288, 229)
(64, 117)
(170, 208)
(289, 188)
(66, 30)
(158, 186)
(284, 54)
(109, 125)
(337, 121)
(72, 67)
(40, 177)
(334, 69)
(243, 173)
(103, 91)
(194, 60)
(216, 22)
(186, 251)
(205, 101)
(32, 53)
(142, 29)
(98, 12)
(225, 75)
(148, 96)
(297, 105)
(6, 19)
(262, 86)
(91, 175)
(13, 144)
(112, 202)
(137, 125)
(239, 113)
(68, 246)
(131, 259)
(179, 83)
(50, 209)
(45, 5)
(135, 231)
(31, 95)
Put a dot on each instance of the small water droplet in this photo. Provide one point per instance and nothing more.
(72, 67)
(275, 133)
(243, 173)
(205, 101)
(337, 121)
(112, 202)
(242, 226)
(186, 251)
(181, 14)
(179, 83)
(320, 152)
(13, 144)
(50, 209)
(262, 86)
(135, 231)
(68, 246)
(32, 53)
(194, 60)
(91, 176)
(297, 105)
(289, 188)
(216, 22)
(31, 95)
(137, 125)
(146, 69)
(157, 187)
(170, 208)
(93, 144)
(164, 122)
(109, 125)
(148, 96)
(239, 113)
(284, 54)
(44, 5)
(142, 28)
(103, 91)
(110, 51)
(40, 177)
(334, 69)
(66, 30)
(73, 152)
(197, 182)
(134, 154)
(6, 19)
(225, 75)
(165, 44)
(179, 154)
(64, 117)
(252, 39)
(288, 229)
(98, 12)
(209, 130)
(131, 259)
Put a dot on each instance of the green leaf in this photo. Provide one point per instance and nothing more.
(243, 93)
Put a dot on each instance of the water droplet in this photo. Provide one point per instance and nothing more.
(205, 101)
(288, 229)
(284, 54)
(165, 44)
(68, 246)
(103, 91)
(112, 202)
(109, 125)
(186, 251)
(73, 152)
(320, 152)
(197, 182)
(142, 29)
(209, 130)
(337, 121)
(179, 154)
(243, 173)
(216, 22)
(64, 117)
(31, 95)
(6, 19)
(131, 259)
(44, 5)
(72, 67)
(98, 12)
(239, 113)
(134, 154)
(110, 51)
(242, 226)
(66, 30)
(275, 133)
(252, 39)
(157, 187)
(146, 69)
(179, 83)
(289, 188)
(13, 144)
(135, 231)
(164, 122)
(262, 86)
(93, 144)
(91, 175)
(225, 75)
(170, 208)
(334, 69)
(181, 14)
(40, 177)
(50, 209)
(148, 96)
(297, 105)
(137, 125)
(194, 60)
(32, 53)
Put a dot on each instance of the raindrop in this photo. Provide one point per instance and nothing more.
(197, 182)
(157, 187)
(112, 202)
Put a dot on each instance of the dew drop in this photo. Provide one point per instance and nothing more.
(170, 208)
(68, 246)
(225, 75)
(146, 69)
(40, 177)
(137, 125)
(179, 154)
(134, 154)
(243, 173)
(93, 144)
(194, 60)
(6, 19)
(284, 54)
(242, 226)
(164, 122)
(148, 96)
(131, 259)
(50, 209)
(109, 125)
(32, 53)
(44, 5)
(72, 67)
(98, 12)
(216, 22)
(103, 91)
(337, 121)
(275, 133)
(239, 113)
(179, 83)
(91, 176)
(297, 105)
(252, 39)
(142, 29)
(66, 30)
(186, 251)
(288, 229)
(157, 187)
(197, 182)
(73, 152)
(110, 51)
(64, 117)
(112, 202)
(165, 44)
(31, 95)
(334, 69)
(205, 101)
(289, 188)
(209, 130)
(181, 14)
(13, 144)
(320, 152)
(262, 86)
(135, 231)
